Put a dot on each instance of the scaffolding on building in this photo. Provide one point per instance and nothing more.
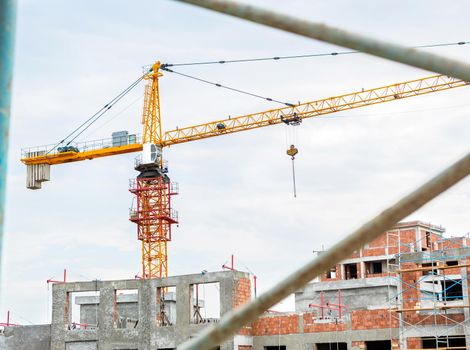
(428, 291)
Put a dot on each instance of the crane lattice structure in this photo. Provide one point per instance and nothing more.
(153, 214)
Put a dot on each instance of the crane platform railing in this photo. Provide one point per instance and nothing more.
(84, 146)
(84, 149)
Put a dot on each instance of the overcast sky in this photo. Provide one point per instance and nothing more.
(235, 191)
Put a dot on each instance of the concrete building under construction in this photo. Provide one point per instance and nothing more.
(408, 289)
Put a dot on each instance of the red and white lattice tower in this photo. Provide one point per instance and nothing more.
(154, 217)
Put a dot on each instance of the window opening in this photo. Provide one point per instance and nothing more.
(82, 309)
(126, 308)
(455, 342)
(166, 301)
(331, 273)
(378, 345)
(351, 271)
(205, 302)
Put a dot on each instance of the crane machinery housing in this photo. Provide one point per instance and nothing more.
(153, 189)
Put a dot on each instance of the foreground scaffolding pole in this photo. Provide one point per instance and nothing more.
(7, 33)
(211, 337)
(215, 335)
(228, 325)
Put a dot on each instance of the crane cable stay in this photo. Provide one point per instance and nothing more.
(278, 58)
(244, 92)
(96, 116)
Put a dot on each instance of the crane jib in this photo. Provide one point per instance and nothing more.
(288, 115)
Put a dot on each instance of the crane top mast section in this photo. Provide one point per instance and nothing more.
(151, 116)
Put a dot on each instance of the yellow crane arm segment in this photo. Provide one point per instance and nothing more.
(313, 109)
(70, 156)
(270, 117)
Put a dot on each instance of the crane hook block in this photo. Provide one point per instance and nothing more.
(292, 151)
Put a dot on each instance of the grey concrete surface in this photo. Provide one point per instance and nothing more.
(36, 337)
(367, 293)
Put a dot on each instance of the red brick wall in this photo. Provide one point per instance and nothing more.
(355, 254)
(372, 319)
(274, 325)
(377, 246)
(241, 292)
(338, 275)
(453, 242)
(414, 343)
(311, 327)
(242, 295)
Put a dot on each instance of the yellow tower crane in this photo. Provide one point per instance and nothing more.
(153, 213)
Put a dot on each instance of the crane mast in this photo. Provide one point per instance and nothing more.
(152, 187)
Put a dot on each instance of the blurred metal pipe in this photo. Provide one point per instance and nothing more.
(233, 321)
(336, 36)
(230, 323)
(7, 38)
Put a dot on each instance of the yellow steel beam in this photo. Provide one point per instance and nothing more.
(67, 157)
(151, 118)
(270, 117)
(313, 109)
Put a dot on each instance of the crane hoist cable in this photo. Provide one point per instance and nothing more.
(277, 58)
(90, 121)
(227, 87)
(292, 122)
(292, 152)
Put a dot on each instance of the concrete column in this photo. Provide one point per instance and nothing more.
(363, 269)
(227, 287)
(105, 317)
(183, 312)
(419, 243)
(106, 309)
(59, 297)
(226, 295)
(147, 313)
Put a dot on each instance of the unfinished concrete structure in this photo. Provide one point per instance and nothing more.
(408, 289)
(142, 324)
